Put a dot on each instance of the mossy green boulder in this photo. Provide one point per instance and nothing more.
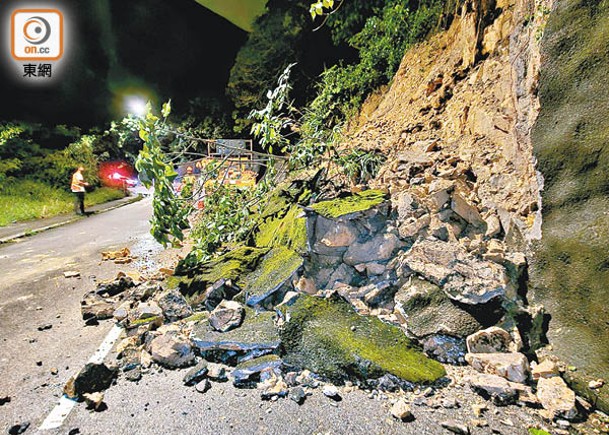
(328, 337)
(357, 202)
(235, 265)
(289, 231)
(265, 284)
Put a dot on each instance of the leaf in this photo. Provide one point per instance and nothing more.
(144, 135)
(166, 110)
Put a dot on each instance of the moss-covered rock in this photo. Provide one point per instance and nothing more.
(329, 338)
(271, 276)
(234, 265)
(570, 273)
(351, 204)
(257, 336)
(289, 231)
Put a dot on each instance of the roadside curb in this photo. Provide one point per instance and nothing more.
(70, 220)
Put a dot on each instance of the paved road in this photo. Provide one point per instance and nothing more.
(33, 293)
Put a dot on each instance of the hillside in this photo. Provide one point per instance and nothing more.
(465, 106)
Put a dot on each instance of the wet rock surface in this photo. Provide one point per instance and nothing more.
(256, 336)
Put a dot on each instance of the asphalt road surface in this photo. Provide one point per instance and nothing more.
(35, 295)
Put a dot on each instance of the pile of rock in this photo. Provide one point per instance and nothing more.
(362, 280)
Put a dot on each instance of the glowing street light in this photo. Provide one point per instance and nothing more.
(135, 105)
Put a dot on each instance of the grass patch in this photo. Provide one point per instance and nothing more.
(24, 200)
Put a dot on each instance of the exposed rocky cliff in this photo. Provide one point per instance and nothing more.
(460, 127)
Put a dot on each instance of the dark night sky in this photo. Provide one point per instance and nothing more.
(174, 48)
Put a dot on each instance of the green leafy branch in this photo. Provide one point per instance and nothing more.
(170, 215)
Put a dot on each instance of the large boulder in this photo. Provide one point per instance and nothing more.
(113, 288)
(92, 378)
(498, 389)
(490, 340)
(427, 310)
(174, 306)
(380, 248)
(463, 277)
(570, 268)
(248, 373)
(327, 337)
(94, 307)
(267, 284)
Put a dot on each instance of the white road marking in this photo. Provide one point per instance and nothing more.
(106, 346)
(61, 411)
(58, 414)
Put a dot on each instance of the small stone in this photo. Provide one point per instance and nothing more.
(545, 369)
(401, 411)
(216, 372)
(134, 374)
(272, 387)
(145, 310)
(479, 409)
(563, 424)
(196, 374)
(455, 427)
(512, 366)
(203, 386)
(39, 363)
(4, 399)
(450, 403)
(298, 395)
(507, 422)
(54, 370)
(71, 274)
(226, 316)
(18, 428)
(95, 401)
(332, 392)
(595, 385)
(45, 326)
(479, 423)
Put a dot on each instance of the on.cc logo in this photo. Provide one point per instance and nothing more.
(36, 30)
(37, 34)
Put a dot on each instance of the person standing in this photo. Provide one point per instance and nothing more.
(78, 188)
